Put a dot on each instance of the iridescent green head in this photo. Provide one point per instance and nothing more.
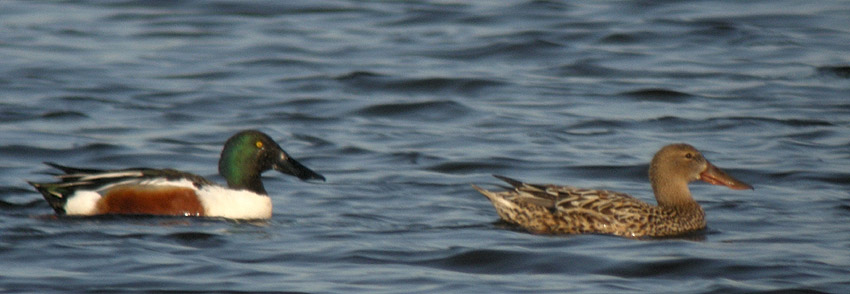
(248, 154)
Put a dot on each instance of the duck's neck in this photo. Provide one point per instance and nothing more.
(672, 194)
(240, 178)
(237, 179)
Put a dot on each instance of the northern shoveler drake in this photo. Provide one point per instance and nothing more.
(550, 209)
(146, 191)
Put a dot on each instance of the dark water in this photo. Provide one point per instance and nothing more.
(402, 105)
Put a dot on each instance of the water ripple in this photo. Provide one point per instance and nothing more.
(837, 71)
(374, 81)
(404, 104)
(425, 111)
(658, 94)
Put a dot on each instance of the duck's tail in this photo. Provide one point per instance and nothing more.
(53, 193)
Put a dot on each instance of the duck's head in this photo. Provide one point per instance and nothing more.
(675, 165)
(249, 153)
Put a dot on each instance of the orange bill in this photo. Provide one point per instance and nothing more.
(716, 176)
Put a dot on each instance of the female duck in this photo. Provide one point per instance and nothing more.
(147, 191)
(551, 209)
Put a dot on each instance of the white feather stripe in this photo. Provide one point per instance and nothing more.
(183, 183)
(123, 174)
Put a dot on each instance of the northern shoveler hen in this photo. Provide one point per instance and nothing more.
(146, 191)
(551, 209)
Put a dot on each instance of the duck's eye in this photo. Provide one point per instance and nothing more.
(689, 155)
(259, 144)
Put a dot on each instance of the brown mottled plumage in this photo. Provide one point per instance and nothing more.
(551, 209)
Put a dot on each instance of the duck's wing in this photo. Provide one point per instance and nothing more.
(566, 199)
(97, 179)
(75, 179)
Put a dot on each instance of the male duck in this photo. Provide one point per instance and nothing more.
(146, 191)
(551, 209)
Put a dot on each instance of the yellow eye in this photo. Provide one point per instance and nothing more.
(259, 144)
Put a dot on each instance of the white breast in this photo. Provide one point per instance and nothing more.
(236, 204)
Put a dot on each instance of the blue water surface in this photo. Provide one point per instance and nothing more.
(402, 105)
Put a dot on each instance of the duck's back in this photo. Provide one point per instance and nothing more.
(550, 209)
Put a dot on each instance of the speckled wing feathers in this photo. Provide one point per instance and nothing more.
(554, 209)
